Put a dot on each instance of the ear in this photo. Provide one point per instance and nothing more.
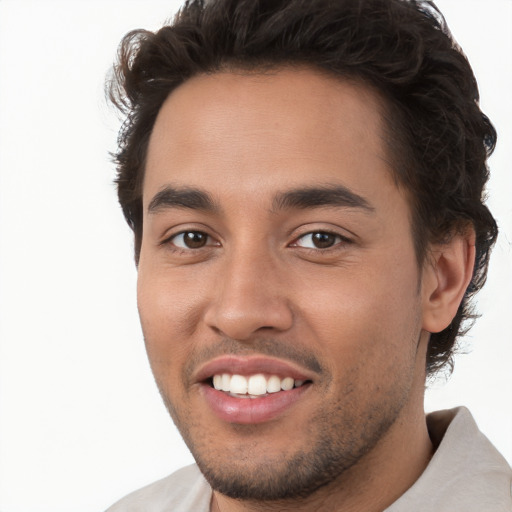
(446, 276)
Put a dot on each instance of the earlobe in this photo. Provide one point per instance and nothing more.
(446, 276)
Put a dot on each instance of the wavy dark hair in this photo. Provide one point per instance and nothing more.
(437, 136)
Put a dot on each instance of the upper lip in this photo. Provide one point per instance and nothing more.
(250, 366)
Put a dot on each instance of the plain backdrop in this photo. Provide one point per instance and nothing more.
(81, 422)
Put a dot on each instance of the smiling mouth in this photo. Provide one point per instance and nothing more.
(253, 386)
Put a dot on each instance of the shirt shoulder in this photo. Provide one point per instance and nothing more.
(186, 490)
(466, 473)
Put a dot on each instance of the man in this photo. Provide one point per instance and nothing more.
(304, 180)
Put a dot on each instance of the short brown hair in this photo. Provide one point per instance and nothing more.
(438, 136)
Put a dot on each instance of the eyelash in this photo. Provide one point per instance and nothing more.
(339, 240)
(171, 240)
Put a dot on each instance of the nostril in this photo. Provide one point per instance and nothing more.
(240, 317)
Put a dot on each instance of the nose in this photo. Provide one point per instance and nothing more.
(250, 297)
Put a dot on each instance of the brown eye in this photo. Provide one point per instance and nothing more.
(190, 240)
(319, 240)
(323, 240)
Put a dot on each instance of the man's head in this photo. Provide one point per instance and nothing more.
(304, 180)
(438, 139)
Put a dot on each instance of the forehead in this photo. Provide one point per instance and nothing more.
(285, 127)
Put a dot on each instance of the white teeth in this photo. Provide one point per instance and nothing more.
(274, 384)
(226, 382)
(238, 385)
(287, 384)
(217, 381)
(255, 385)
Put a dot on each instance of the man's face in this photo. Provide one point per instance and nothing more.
(277, 249)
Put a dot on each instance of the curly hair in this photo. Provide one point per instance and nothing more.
(438, 137)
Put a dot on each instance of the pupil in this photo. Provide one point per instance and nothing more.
(194, 240)
(324, 240)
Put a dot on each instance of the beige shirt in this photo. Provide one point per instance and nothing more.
(466, 474)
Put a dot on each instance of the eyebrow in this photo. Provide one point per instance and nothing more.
(300, 198)
(316, 197)
(190, 198)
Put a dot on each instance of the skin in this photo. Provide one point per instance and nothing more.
(362, 308)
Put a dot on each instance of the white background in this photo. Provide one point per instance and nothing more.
(81, 422)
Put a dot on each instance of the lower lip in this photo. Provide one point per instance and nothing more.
(248, 411)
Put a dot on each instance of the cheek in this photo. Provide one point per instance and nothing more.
(166, 316)
(368, 342)
(367, 319)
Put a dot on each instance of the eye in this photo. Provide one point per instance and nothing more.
(318, 240)
(190, 240)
